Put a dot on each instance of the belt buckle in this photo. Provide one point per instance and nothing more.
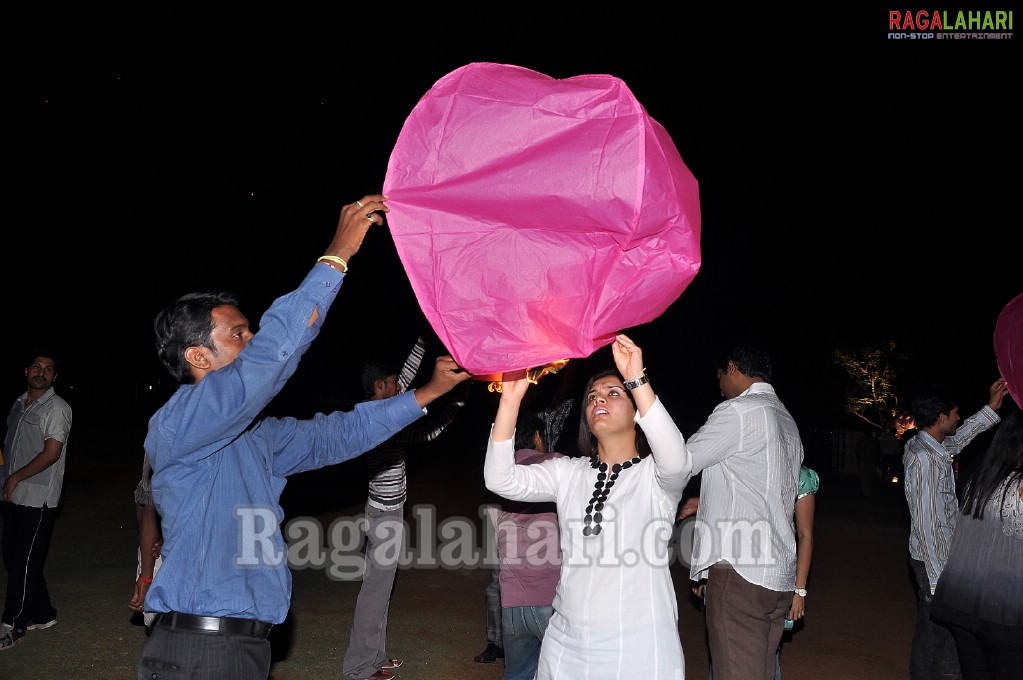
(215, 624)
(210, 624)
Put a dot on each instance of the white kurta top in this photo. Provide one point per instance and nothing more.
(615, 612)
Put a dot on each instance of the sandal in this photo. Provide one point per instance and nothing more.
(392, 663)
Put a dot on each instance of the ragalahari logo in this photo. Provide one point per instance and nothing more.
(950, 25)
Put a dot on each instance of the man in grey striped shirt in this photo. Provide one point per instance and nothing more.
(933, 507)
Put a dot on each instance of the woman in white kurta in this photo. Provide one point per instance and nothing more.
(615, 612)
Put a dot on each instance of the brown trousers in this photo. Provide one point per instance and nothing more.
(745, 623)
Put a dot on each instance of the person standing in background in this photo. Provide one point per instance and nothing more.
(150, 543)
(891, 453)
(930, 488)
(806, 503)
(495, 647)
(38, 427)
(366, 656)
(553, 417)
(528, 541)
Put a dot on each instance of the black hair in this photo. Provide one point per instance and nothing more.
(1002, 461)
(373, 370)
(749, 359)
(187, 322)
(587, 442)
(42, 351)
(929, 402)
(529, 424)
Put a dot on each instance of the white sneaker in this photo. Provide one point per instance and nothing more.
(7, 637)
(41, 626)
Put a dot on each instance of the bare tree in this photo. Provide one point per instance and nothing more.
(873, 371)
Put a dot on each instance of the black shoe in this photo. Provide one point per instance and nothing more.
(489, 655)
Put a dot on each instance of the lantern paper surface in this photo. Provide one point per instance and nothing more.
(537, 217)
(1009, 347)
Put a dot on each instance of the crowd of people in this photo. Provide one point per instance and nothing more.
(583, 580)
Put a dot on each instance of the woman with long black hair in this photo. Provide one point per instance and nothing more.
(979, 595)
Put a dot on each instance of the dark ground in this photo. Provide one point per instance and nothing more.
(860, 607)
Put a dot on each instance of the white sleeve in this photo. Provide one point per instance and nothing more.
(671, 457)
(537, 482)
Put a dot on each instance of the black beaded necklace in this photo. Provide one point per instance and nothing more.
(601, 489)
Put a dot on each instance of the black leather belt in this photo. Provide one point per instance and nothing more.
(214, 624)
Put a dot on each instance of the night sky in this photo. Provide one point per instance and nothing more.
(853, 190)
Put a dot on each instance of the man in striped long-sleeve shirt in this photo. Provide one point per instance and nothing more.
(367, 656)
(933, 507)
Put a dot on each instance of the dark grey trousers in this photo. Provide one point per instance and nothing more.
(493, 592)
(367, 645)
(172, 654)
(933, 653)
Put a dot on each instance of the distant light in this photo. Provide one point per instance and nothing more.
(895, 480)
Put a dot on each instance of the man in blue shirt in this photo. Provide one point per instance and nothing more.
(219, 468)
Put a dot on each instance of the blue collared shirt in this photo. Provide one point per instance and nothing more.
(219, 469)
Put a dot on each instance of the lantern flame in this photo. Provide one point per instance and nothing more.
(533, 375)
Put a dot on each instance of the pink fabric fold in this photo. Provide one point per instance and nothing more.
(1009, 347)
(537, 217)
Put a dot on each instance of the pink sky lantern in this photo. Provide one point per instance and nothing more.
(1009, 347)
(537, 217)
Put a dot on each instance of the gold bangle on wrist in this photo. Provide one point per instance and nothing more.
(333, 260)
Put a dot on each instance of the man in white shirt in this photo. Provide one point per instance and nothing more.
(745, 546)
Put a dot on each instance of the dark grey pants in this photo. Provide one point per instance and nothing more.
(933, 653)
(173, 654)
(494, 621)
(367, 645)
